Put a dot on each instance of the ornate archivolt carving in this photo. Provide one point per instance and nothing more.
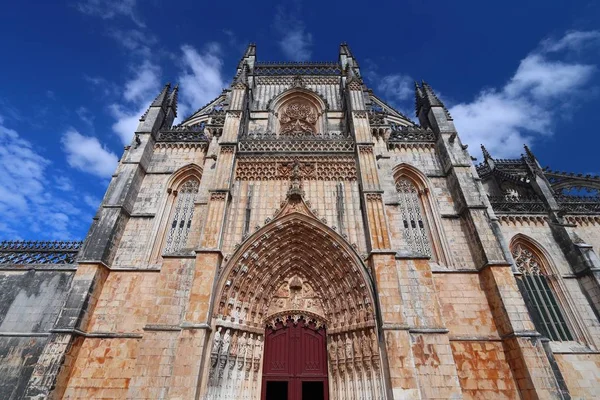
(298, 118)
(273, 168)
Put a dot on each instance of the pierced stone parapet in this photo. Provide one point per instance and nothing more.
(297, 68)
(180, 133)
(34, 252)
(579, 204)
(517, 205)
(410, 134)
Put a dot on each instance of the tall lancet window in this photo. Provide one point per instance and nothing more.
(547, 314)
(182, 216)
(413, 218)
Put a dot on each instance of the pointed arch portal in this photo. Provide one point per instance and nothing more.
(299, 291)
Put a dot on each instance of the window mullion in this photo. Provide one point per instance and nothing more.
(527, 279)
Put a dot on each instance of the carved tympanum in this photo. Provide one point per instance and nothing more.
(298, 118)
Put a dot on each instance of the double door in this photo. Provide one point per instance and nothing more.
(295, 362)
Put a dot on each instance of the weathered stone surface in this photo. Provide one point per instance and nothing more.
(314, 203)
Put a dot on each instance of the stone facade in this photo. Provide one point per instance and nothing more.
(298, 196)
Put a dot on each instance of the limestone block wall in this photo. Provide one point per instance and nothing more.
(267, 196)
(588, 229)
(29, 304)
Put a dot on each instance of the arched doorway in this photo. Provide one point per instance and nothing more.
(295, 361)
(295, 266)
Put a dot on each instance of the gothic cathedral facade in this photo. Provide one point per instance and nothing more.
(299, 238)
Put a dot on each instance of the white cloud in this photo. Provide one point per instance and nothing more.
(85, 153)
(201, 79)
(27, 199)
(138, 94)
(530, 103)
(397, 87)
(135, 41)
(572, 41)
(295, 41)
(86, 116)
(91, 201)
(110, 9)
(63, 183)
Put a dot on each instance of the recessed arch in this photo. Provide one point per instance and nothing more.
(182, 174)
(298, 111)
(551, 307)
(188, 178)
(295, 268)
(405, 173)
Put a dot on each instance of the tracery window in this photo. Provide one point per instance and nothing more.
(413, 218)
(182, 216)
(547, 314)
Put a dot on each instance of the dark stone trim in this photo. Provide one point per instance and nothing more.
(142, 215)
(38, 267)
(522, 334)
(428, 330)
(109, 335)
(24, 334)
(475, 338)
(450, 216)
(455, 271)
(189, 325)
(162, 328)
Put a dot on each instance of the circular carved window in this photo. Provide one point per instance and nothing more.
(298, 118)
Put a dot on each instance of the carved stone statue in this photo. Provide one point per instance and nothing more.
(356, 345)
(242, 344)
(250, 346)
(234, 344)
(365, 344)
(375, 343)
(349, 353)
(226, 342)
(332, 350)
(217, 341)
(340, 348)
(236, 314)
(258, 347)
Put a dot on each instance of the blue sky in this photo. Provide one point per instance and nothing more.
(76, 76)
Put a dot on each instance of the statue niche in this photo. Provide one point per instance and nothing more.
(298, 118)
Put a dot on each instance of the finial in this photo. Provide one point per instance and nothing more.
(486, 154)
(529, 153)
(173, 99)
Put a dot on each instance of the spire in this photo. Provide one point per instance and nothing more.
(248, 58)
(348, 62)
(250, 50)
(159, 101)
(173, 99)
(425, 99)
(162, 96)
(345, 50)
(431, 96)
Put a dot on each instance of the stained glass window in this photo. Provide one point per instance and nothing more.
(413, 222)
(547, 314)
(182, 216)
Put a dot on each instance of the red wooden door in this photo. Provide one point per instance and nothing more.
(295, 362)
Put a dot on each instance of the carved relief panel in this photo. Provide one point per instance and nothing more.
(298, 118)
